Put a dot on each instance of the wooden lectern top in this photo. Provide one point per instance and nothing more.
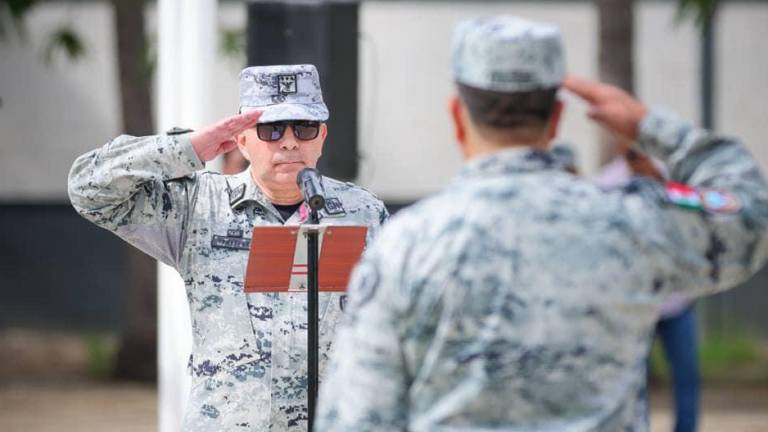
(278, 257)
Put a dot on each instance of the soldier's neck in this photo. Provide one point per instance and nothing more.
(280, 194)
(488, 148)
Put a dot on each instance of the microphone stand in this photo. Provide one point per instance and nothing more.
(312, 316)
(310, 183)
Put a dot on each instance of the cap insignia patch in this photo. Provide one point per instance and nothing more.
(286, 84)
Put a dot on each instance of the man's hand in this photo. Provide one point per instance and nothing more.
(610, 106)
(219, 138)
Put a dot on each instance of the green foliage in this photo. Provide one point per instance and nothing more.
(66, 40)
(700, 10)
(232, 44)
(101, 356)
(719, 356)
(12, 13)
(17, 8)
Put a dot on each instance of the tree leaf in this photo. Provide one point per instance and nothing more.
(700, 10)
(67, 40)
(232, 43)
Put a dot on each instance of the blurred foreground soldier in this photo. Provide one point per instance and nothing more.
(522, 298)
(249, 356)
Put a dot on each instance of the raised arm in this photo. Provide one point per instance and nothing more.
(142, 188)
(721, 239)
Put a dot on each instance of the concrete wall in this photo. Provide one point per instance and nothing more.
(52, 113)
(406, 136)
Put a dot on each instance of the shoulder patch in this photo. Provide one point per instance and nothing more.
(709, 200)
(178, 131)
(683, 196)
(718, 201)
(236, 194)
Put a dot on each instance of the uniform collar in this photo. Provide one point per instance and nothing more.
(515, 160)
(243, 189)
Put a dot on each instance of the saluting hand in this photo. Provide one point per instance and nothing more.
(219, 138)
(610, 106)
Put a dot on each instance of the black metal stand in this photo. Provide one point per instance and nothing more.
(312, 317)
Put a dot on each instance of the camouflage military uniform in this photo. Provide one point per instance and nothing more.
(249, 350)
(523, 298)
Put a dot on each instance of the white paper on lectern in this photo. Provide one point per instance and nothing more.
(300, 261)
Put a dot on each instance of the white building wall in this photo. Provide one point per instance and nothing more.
(667, 60)
(406, 138)
(742, 76)
(50, 114)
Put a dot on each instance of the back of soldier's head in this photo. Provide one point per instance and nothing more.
(508, 71)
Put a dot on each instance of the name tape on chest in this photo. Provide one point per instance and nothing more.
(709, 200)
(227, 242)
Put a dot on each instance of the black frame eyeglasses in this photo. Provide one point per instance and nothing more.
(304, 130)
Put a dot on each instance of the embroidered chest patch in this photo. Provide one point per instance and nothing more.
(333, 207)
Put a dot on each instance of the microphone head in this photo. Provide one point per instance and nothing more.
(311, 186)
(304, 173)
(316, 202)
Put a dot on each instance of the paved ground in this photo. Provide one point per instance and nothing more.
(132, 408)
(77, 408)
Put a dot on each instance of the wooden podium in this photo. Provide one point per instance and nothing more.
(278, 260)
(289, 259)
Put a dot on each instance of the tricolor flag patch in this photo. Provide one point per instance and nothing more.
(710, 200)
(683, 196)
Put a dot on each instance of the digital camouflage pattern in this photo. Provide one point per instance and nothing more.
(507, 54)
(249, 350)
(283, 92)
(523, 298)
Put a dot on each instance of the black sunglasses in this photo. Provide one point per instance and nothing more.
(304, 130)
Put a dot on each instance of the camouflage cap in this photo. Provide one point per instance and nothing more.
(283, 92)
(507, 54)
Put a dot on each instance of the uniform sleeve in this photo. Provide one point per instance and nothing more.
(139, 188)
(704, 250)
(383, 214)
(367, 383)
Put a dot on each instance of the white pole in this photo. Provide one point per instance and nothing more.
(187, 33)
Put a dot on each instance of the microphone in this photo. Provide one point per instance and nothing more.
(311, 184)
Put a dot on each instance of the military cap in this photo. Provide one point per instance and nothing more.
(283, 92)
(507, 54)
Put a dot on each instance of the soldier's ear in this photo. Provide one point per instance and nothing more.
(240, 139)
(554, 120)
(459, 117)
(323, 130)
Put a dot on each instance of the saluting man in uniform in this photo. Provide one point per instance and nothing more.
(249, 350)
(522, 297)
